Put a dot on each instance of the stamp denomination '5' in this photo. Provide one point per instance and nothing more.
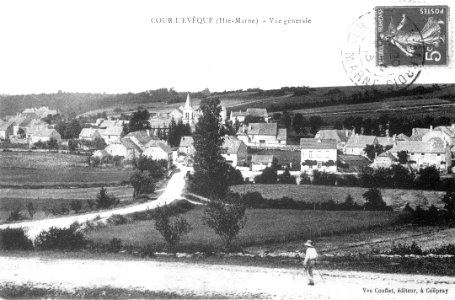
(412, 35)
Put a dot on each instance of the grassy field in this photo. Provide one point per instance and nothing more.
(54, 177)
(48, 160)
(397, 198)
(281, 226)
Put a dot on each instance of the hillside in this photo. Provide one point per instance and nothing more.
(326, 101)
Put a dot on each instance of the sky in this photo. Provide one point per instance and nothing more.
(113, 46)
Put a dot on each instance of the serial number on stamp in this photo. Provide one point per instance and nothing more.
(412, 36)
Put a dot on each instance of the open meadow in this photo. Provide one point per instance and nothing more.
(397, 198)
(263, 226)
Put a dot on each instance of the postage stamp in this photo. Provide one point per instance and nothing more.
(412, 35)
(359, 57)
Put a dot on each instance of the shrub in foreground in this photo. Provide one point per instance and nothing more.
(171, 230)
(14, 239)
(61, 239)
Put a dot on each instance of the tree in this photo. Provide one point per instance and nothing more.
(402, 157)
(156, 168)
(268, 176)
(230, 128)
(429, 178)
(226, 219)
(372, 150)
(449, 202)
(298, 123)
(374, 200)
(139, 121)
(210, 168)
(315, 122)
(285, 120)
(99, 143)
(52, 144)
(103, 200)
(142, 183)
(73, 129)
(171, 230)
(30, 209)
(72, 145)
(286, 177)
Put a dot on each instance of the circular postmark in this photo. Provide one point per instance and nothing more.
(361, 59)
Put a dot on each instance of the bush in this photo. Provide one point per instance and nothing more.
(226, 219)
(324, 178)
(287, 178)
(30, 209)
(268, 176)
(76, 205)
(15, 215)
(142, 182)
(115, 245)
(403, 249)
(374, 200)
(305, 179)
(103, 200)
(61, 239)
(118, 220)
(14, 239)
(171, 230)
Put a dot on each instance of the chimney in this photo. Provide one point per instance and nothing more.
(414, 131)
(453, 126)
(431, 127)
(387, 132)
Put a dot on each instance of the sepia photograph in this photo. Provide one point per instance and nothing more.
(196, 149)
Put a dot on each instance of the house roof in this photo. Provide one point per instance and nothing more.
(282, 134)
(231, 144)
(333, 134)
(261, 159)
(186, 141)
(110, 123)
(448, 130)
(160, 122)
(418, 133)
(263, 129)
(310, 143)
(130, 144)
(360, 141)
(387, 154)
(402, 137)
(115, 131)
(26, 122)
(257, 112)
(5, 125)
(160, 144)
(434, 145)
(142, 136)
(188, 102)
(385, 141)
(88, 132)
(42, 131)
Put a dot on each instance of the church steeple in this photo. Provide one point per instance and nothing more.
(188, 102)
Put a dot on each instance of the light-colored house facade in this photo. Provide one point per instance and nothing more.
(89, 134)
(234, 151)
(254, 112)
(260, 162)
(318, 154)
(187, 145)
(111, 134)
(434, 152)
(384, 160)
(357, 143)
(42, 134)
(264, 134)
(6, 129)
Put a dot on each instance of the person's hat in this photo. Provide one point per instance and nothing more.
(309, 243)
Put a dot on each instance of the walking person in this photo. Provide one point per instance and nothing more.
(310, 260)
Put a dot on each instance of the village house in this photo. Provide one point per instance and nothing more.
(254, 112)
(418, 133)
(260, 162)
(6, 129)
(384, 160)
(445, 133)
(89, 134)
(234, 151)
(340, 136)
(386, 141)
(357, 143)
(158, 150)
(433, 152)
(264, 135)
(318, 154)
(111, 134)
(43, 134)
(187, 145)
(38, 113)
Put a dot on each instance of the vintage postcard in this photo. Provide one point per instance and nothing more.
(197, 149)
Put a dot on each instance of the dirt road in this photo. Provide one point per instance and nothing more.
(172, 192)
(208, 280)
